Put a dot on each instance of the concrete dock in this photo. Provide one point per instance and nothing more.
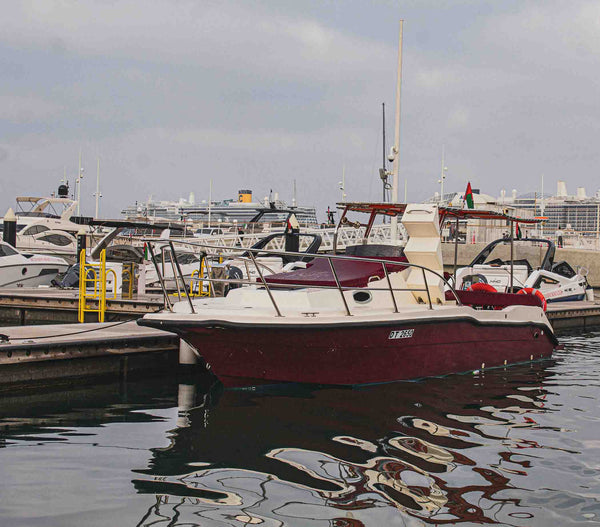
(25, 306)
(37, 354)
(573, 315)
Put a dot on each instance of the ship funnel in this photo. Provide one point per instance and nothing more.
(561, 189)
(245, 196)
(581, 193)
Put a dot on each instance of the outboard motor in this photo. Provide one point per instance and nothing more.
(69, 279)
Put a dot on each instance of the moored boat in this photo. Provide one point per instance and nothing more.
(400, 325)
(20, 270)
(532, 265)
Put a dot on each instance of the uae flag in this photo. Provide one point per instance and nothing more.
(469, 196)
(518, 232)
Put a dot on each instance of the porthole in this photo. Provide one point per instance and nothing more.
(362, 297)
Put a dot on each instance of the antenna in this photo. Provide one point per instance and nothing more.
(383, 165)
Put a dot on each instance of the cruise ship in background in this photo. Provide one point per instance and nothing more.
(226, 212)
(576, 213)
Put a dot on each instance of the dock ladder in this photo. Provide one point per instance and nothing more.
(197, 281)
(92, 286)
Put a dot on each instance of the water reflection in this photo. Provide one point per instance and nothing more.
(440, 451)
(511, 447)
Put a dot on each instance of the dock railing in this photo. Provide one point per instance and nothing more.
(252, 254)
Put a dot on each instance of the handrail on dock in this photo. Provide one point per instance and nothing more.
(252, 253)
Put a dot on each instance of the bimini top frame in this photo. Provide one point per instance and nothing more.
(397, 209)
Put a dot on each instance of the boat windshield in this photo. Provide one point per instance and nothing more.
(6, 250)
(42, 207)
(533, 253)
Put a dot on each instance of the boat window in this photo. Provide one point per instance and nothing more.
(6, 250)
(35, 229)
(563, 269)
(56, 239)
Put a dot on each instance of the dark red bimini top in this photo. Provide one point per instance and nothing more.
(350, 273)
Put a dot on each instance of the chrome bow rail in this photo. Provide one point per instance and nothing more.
(215, 251)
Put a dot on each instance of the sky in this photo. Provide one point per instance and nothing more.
(170, 95)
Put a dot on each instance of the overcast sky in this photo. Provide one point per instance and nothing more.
(171, 94)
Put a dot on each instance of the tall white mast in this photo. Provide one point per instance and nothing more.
(396, 147)
(343, 183)
(443, 174)
(78, 182)
(97, 194)
(209, 201)
(542, 209)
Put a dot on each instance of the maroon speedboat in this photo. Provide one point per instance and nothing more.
(399, 325)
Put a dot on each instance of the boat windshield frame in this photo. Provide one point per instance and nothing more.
(41, 207)
(389, 210)
(546, 262)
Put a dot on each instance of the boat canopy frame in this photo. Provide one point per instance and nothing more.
(214, 252)
(445, 213)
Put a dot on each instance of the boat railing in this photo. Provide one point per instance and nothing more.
(221, 252)
(347, 235)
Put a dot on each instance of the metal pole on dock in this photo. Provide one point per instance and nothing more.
(9, 234)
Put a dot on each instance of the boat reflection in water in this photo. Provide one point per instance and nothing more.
(440, 451)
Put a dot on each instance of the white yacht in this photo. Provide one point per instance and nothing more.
(20, 270)
(36, 214)
(45, 224)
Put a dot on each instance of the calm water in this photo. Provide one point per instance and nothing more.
(519, 446)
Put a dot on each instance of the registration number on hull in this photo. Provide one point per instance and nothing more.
(401, 334)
